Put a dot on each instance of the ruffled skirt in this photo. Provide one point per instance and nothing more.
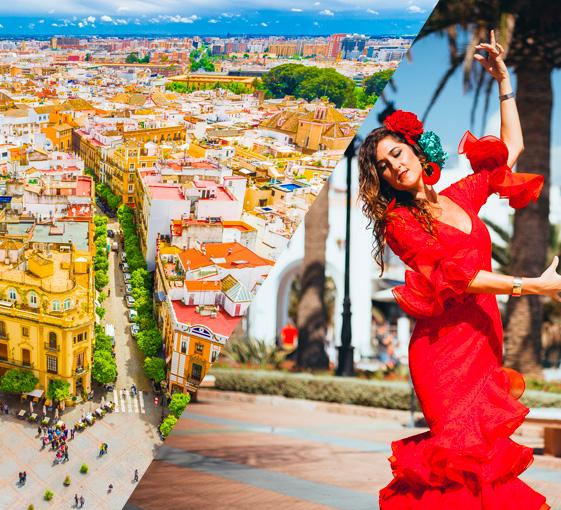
(469, 463)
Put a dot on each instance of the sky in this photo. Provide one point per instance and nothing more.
(212, 17)
(416, 81)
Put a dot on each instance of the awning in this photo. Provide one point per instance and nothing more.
(35, 393)
(160, 296)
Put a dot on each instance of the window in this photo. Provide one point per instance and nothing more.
(52, 340)
(25, 331)
(131, 188)
(214, 356)
(56, 306)
(184, 347)
(67, 304)
(196, 372)
(199, 348)
(33, 301)
(52, 364)
(3, 333)
(26, 357)
(131, 167)
(12, 294)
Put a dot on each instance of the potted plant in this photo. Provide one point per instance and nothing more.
(84, 469)
(49, 494)
(66, 482)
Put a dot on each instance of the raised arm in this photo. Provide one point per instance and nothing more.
(548, 284)
(511, 131)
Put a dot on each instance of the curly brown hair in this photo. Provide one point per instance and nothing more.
(376, 193)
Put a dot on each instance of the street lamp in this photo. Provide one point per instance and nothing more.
(345, 366)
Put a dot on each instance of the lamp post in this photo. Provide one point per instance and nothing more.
(345, 366)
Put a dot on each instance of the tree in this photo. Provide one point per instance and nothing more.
(375, 84)
(132, 58)
(178, 403)
(155, 369)
(529, 33)
(18, 381)
(58, 390)
(312, 315)
(149, 341)
(167, 425)
(104, 368)
(101, 279)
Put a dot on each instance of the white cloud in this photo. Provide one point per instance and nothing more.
(81, 25)
(54, 24)
(316, 3)
(415, 9)
(1, 26)
(166, 18)
(213, 21)
(121, 21)
(327, 12)
(264, 24)
(107, 19)
(316, 23)
(41, 21)
(51, 11)
(294, 9)
(31, 26)
(372, 11)
(90, 19)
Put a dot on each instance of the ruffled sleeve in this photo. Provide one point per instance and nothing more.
(488, 157)
(435, 275)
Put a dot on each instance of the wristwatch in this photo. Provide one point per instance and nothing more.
(516, 286)
(506, 96)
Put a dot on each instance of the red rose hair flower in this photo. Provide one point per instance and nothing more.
(405, 123)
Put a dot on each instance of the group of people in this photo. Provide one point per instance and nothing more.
(103, 449)
(58, 438)
(79, 500)
(22, 477)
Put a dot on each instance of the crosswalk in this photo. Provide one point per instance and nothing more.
(127, 403)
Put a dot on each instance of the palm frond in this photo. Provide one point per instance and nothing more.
(500, 231)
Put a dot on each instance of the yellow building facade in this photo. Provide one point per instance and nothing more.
(47, 311)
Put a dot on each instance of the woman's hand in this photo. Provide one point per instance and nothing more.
(549, 283)
(494, 63)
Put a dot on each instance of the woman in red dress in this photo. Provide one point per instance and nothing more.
(466, 461)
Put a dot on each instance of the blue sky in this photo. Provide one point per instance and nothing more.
(450, 117)
(143, 17)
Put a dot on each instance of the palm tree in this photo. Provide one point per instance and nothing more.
(312, 314)
(529, 31)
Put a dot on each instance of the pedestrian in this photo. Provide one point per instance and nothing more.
(110, 488)
(24, 477)
(136, 475)
(20, 476)
(6, 409)
(76, 500)
(82, 501)
(72, 432)
(39, 430)
(66, 454)
(101, 450)
(108, 292)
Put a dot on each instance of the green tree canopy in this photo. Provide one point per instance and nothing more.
(178, 403)
(104, 369)
(155, 369)
(167, 425)
(374, 85)
(18, 381)
(149, 341)
(58, 390)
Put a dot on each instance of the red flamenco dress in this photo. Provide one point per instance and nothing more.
(466, 461)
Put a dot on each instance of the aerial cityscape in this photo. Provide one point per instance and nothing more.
(148, 187)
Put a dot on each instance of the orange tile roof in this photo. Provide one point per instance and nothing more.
(236, 255)
(201, 286)
(194, 259)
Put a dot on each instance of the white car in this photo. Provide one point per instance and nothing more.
(127, 277)
(125, 267)
(128, 288)
(123, 256)
(133, 314)
(135, 328)
(129, 300)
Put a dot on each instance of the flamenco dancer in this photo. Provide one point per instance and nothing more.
(466, 461)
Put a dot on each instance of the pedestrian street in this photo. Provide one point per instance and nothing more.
(127, 403)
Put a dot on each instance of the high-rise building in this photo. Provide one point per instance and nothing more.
(352, 46)
(334, 45)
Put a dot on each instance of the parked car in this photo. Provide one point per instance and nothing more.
(135, 328)
(129, 300)
(123, 256)
(111, 233)
(132, 315)
(128, 288)
(127, 277)
(115, 246)
(125, 267)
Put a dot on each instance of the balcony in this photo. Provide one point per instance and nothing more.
(52, 348)
(81, 371)
(15, 363)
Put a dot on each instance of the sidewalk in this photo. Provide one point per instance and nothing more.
(239, 451)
